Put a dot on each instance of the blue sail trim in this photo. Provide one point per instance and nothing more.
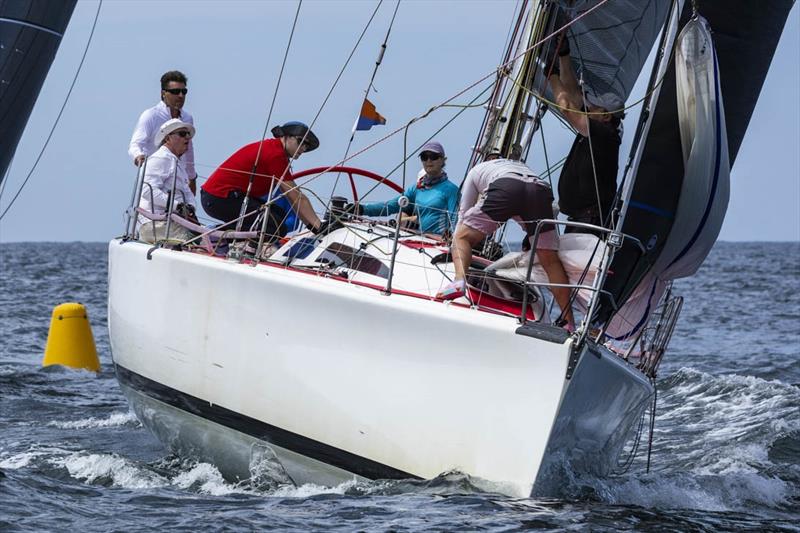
(651, 208)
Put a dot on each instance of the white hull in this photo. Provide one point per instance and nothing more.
(233, 363)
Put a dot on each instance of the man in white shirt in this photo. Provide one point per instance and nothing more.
(173, 96)
(496, 191)
(165, 166)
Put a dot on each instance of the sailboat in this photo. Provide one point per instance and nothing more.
(294, 360)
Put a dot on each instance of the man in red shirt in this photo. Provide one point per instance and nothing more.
(224, 192)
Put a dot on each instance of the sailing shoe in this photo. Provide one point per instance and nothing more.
(454, 289)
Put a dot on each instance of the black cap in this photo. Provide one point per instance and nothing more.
(297, 129)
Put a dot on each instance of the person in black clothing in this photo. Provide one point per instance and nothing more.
(595, 151)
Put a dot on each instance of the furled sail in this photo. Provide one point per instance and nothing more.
(30, 32)
(672, 207)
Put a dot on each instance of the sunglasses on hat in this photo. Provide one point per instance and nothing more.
(177, 91)
(429, 156)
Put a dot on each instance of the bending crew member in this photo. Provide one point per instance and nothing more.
(494, 192)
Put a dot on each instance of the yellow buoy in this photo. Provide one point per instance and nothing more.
(70, 341)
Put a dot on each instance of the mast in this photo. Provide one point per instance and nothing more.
(508, 123)
(30, 33)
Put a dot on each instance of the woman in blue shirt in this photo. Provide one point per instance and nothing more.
(433, 199)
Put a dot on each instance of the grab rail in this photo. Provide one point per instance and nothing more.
(136, 199)
(614, 240)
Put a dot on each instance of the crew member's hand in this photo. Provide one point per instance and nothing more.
(322, 229)
(139, 160)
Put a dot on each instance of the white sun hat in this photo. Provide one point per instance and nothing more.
(170, 126)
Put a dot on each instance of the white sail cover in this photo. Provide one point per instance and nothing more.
(706, 184)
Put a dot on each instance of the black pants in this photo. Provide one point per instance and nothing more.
(589, 216)
(228, 209)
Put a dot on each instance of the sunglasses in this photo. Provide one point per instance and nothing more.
(306, 144)
(429, 156)
(183, 133)
(177, 91)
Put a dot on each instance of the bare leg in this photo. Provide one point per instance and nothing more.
(463, 241)
(555, 273)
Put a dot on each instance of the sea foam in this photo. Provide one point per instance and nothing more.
(113, 420)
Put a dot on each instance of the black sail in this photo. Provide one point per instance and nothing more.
(30, 33)
(746, 34)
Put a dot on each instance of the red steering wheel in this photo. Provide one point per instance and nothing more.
(351, 171)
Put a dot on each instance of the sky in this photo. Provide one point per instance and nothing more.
(232, 51)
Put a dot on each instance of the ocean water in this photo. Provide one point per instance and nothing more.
(725, 451)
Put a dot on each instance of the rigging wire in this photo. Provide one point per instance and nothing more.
(327, 97)
(445, 102)
(273, 184)
(477, 82)
(4, 181)
(378, 62)
(347, 62)
(546, 159)
(589, 138)
(406, 157)
(58, 117)
(374, 72)
(280, 75)
(491, 116)
(243, 209)
(652, 423)
(588, 113)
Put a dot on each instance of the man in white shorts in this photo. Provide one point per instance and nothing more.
(497, 191)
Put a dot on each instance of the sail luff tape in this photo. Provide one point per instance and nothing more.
(70, 341)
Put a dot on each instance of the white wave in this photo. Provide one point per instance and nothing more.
(208, 480)
(16, 461)
(731, 421)
(120, 472)
(113, 420)
(309, 489)
(690, 491)
(20, 460)
(712, 446)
